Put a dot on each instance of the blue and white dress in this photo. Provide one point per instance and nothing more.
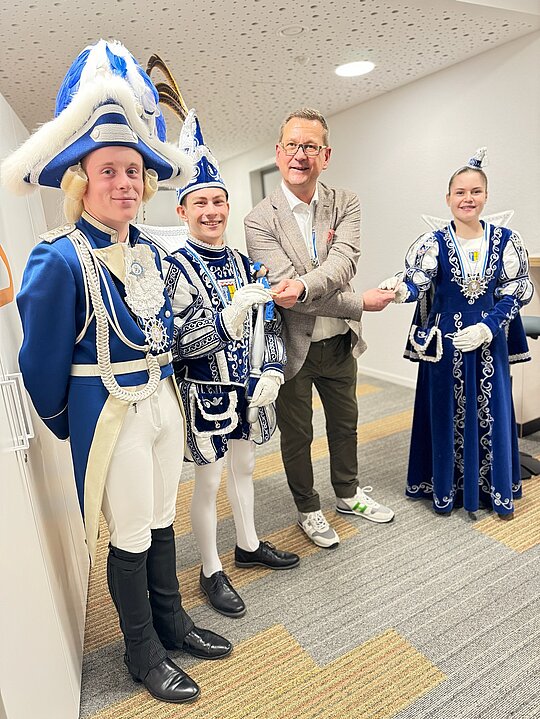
(211, 367)
(464, 449)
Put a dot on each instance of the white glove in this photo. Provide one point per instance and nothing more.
(267, 388)
(470, 338)
(400, 288)
(234, 315)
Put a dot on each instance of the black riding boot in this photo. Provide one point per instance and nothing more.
(145, 656)
(173, 625)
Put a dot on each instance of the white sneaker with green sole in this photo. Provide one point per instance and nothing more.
(364, 506)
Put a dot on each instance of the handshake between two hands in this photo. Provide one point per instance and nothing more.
(399, 287)
(287, 292)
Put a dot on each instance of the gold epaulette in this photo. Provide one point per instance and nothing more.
(55, 234)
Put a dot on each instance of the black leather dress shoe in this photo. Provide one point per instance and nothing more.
(168, 683)
(204, 644)
(221, 594)
(265, 556)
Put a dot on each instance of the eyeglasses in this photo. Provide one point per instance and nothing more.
(291, 148)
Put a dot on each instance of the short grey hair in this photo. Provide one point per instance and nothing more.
(306, 113)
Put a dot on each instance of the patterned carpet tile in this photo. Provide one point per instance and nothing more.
(458, 651)
(270, 676)
(523, 532)
(102, 622)
(385, 426)
(271, 463)
(102, 625)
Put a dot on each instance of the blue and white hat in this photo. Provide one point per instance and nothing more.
(206, 173)
(479, 159)
(106, 99)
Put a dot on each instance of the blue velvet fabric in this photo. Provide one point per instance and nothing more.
(211, 368)
(464, 449)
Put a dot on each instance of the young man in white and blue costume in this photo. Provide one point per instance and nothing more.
(214, 292)
(96, 351)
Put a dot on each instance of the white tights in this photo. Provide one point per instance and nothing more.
(240, 464)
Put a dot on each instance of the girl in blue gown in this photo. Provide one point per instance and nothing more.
(469, 279)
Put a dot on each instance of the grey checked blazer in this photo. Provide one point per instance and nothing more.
(273, 238)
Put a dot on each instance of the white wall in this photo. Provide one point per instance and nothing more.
(398, 151)
(42, 547)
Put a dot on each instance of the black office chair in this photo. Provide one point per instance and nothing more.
(529, 465)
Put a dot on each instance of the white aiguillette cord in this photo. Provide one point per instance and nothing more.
(102, 339)
(256, 357)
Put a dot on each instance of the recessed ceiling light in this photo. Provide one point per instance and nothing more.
(352, 69)
(291, 30)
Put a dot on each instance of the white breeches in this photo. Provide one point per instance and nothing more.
(240, 464)
(142, 482)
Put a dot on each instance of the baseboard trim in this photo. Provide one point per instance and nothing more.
(529, 427)
(388, 377)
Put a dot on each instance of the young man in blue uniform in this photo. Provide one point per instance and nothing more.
(213, 291)
(96, 354)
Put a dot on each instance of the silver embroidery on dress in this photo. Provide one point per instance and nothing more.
(485, 418)
(474, 285)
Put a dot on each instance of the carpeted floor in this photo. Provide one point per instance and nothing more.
(427, 617)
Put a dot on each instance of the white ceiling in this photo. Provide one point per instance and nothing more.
(232, 63)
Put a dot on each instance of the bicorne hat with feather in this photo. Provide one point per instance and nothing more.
(106, 99)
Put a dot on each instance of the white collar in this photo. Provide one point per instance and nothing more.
(294, 201)
(206, 245)
(113, 234)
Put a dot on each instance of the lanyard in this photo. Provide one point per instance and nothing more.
(314, 255)
(462, 254)
(210, 275)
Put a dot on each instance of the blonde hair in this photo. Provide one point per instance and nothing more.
(75, 183)
(462, 170)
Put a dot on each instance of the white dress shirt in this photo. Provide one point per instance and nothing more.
(325, 327)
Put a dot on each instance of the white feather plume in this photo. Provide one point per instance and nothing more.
(54, 135)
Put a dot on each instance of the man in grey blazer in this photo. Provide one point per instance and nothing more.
(308, 235)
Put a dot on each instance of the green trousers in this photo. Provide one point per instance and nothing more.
(331, 367)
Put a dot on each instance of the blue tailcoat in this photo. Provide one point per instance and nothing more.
(55, 311)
